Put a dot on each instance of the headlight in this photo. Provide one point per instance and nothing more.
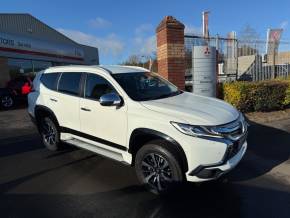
(197, 131)
(220, 131)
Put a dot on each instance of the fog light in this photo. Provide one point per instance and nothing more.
(208, 173)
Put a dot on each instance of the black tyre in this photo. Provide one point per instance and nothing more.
(50, 134)
(7, 102)
(158, 168)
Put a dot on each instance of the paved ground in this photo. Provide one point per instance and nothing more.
(75, 183)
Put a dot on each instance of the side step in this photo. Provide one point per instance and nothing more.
(96, 149)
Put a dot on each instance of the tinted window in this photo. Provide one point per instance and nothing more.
(49, 80)
(97, 86)
(69, 83)
(143, 86)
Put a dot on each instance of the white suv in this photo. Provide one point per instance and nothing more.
(136, 117)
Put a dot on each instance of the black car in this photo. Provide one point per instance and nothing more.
(6, 98)
(15, 92)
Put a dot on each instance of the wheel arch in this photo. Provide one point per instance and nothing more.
(141, 136)
(41, 111)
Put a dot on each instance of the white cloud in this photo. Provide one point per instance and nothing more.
(143, 28)
(109, 45)
(193, 30)
(145, 45)
(284, 24)
(99, 23)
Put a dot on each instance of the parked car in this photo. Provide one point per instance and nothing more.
(21, 86)
(16, 91)
(6, 98)
(136, 117)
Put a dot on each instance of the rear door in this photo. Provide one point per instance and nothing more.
(67, 100)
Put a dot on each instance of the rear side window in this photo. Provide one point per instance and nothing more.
(49, 80)
(69, 83)
(97, 86)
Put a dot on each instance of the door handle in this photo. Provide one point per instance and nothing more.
(52, 99)
(85, 109)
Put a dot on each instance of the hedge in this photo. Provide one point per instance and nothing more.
(287, 97)
(257, 96)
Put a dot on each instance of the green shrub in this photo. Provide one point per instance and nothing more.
(269, 95)
(258, 96)
(287, 97)
(239, 94)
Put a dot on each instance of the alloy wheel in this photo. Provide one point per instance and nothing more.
(156, 171)
(6, 101)
(49, 133)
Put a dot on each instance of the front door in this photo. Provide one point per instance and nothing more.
(107, 124)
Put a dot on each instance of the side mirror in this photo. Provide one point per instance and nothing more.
(111, 99)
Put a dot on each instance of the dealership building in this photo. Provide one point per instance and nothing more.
(27, 46)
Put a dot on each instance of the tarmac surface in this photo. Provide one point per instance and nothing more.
(35, 182)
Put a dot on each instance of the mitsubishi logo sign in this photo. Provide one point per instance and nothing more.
(207, 52)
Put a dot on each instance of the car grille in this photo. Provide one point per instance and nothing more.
(236, 132)
(234, 148)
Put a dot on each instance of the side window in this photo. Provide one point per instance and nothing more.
(97, 86)
(69, 83)
(49, 80)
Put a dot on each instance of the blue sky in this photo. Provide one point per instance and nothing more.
(124, 27)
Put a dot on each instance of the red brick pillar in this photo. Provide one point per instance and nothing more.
(170, 51)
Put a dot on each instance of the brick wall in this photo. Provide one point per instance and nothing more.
(170, 51)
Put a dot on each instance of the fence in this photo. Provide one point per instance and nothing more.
(242, 60)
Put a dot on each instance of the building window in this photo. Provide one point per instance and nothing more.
(40, 65)
(20, 67)
(13, 68)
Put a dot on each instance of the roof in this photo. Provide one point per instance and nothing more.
(29, 26)
(123, 69)
(110, 69)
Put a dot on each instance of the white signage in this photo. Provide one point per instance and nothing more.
(204, 70)
(40, 46)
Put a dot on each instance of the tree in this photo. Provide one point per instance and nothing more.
(248, 34)
(133, 60)
(248, 41)
(142, 61)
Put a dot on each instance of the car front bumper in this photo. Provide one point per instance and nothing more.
(211, 172)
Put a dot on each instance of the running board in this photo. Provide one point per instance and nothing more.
(96, 149)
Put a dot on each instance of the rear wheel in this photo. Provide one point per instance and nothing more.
(7, 102)
(158, 168)
(50, 134)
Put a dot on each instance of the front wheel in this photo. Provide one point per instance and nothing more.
(49, 134)
(158, 168)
